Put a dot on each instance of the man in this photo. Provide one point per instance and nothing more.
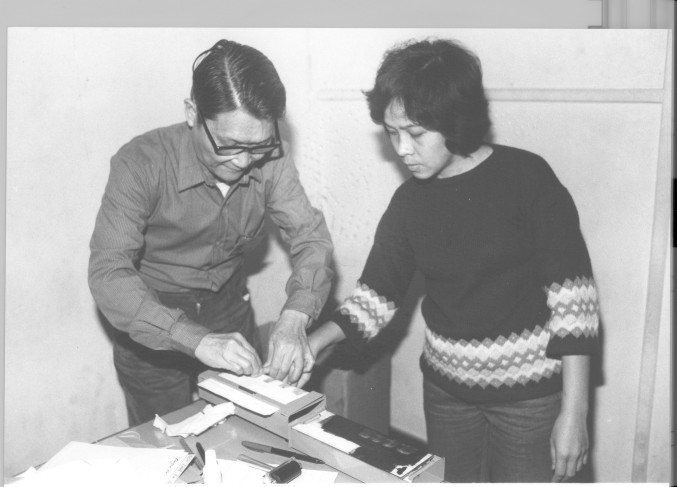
(182, 206)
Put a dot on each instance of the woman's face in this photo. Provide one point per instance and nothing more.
(421, 150)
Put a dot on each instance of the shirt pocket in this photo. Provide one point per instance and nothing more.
(248, 242)
(247, 212)
(251, 231)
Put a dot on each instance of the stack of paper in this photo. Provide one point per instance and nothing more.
(89, 464)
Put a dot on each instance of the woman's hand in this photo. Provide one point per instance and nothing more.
(568, 445)
(320, 339)
(569, 438)
(314, 346)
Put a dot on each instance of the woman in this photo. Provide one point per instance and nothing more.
(511, 308)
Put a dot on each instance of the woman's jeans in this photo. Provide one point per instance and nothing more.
(161, 381)
(494, 442)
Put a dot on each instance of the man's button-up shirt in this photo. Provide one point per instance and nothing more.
(164, 225)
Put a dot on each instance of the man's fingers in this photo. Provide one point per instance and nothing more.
(241, 356)
(246, 364)
(246, 346)
(238, 363)
(279, 364)
(269, 358)
(293, 374)
(229, 351)
(309, 362)
(285, 364)
(305, 377)
(289, 355)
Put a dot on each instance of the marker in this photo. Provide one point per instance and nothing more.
(201, 451)
(279, 451)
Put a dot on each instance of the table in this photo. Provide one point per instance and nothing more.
(226, 439)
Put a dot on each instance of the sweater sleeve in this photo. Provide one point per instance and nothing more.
(384, 281)
(564, 269)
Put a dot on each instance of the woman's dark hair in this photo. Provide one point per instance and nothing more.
(229, 76)
(439, 83)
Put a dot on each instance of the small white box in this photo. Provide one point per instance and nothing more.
(287, 412)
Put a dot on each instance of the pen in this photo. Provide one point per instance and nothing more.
(279, 451)
(252, 461)
(199, 463)
(201, 451)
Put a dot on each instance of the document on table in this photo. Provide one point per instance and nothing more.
(82, 473)
(110, 465)
(315, 430)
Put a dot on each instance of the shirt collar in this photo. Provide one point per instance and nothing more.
(191, 172)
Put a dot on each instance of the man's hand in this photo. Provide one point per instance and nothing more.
(230, 351)
(289, 355)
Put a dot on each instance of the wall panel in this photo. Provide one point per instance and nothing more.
(591, 102)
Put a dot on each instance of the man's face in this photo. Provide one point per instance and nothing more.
(230, 128)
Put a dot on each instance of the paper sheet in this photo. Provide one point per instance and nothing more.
(238, 397)
(83, 473)
(197, 423)
(237, 473)
(314, 430)
(265, 385)
(147, 465)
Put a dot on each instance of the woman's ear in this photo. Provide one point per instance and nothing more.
(191, 112)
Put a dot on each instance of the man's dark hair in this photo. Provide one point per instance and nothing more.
(439, 83)
(229, 76)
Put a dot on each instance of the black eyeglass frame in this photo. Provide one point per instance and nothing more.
(233, 150)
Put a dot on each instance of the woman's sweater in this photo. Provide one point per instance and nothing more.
(509, 285)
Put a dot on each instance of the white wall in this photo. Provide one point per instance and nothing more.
(592, 102)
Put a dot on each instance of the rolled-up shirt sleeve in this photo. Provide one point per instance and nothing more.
(304, 229)
(115, 247)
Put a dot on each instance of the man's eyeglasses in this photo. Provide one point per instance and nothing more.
(256, 150)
